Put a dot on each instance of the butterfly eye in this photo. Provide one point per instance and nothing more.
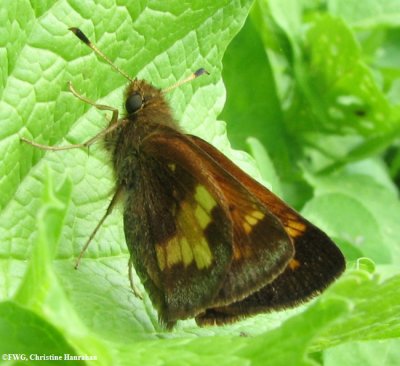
(133, 103)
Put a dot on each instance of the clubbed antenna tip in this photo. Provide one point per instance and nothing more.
(80, 35)
(200, 72)
(191, 77)
(87, 42)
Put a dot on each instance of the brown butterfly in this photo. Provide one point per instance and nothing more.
(206, 240)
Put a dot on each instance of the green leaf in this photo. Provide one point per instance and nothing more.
(368, 13)
(38, 277)
(363, 321)
(357, 208)
(335, 109)
(248, 110)
(340, 314)
(385, 353)
(264, 164)
(25, 334)
(348, 95)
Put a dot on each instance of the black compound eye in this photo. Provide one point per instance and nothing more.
(133, 103)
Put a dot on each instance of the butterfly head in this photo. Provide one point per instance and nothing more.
(145, 104)
(140, 95)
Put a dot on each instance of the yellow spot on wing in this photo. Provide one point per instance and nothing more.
(294, 264)
(187, 254)
(202, 254)
(189, 244)
(246, 227)
(297, 225)
(180, 251)
(251, 220)
(203, 197)
(202, 217)
(258, 215)
(173, 252)
(295, 228)
(177, 250)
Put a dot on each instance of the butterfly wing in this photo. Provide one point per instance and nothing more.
(179, 247)
(211, 241)
(317, 261)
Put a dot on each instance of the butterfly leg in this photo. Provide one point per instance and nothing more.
(102, 107)
(117, 196)
(112, 126)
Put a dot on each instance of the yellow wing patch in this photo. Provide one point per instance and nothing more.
(251, 220)
(248, 223)
(205, 199)
(295, 228)
(189, 243)
(294, 264)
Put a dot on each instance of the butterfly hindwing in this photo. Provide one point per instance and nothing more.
(316, 262)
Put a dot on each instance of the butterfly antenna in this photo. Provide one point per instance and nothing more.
(87, 42)
(191, 77)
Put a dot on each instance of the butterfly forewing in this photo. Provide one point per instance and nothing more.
(316, 263)
(181, 239)
(261, 248)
